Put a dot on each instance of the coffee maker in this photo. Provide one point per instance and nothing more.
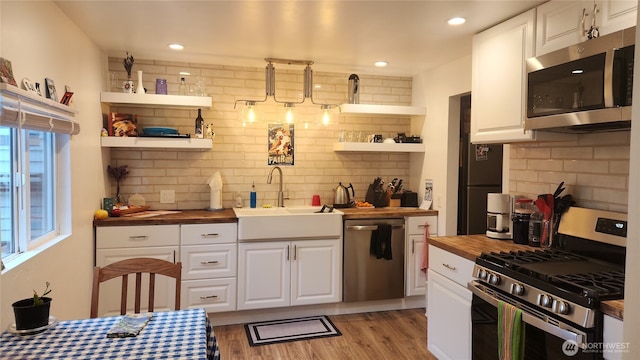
(499, 216)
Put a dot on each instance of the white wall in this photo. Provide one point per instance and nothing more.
(41, 41)
(631, 323)
(434, 89)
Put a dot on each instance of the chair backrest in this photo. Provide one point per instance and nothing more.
(136, 266)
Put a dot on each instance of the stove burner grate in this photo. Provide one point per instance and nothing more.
(568, 272)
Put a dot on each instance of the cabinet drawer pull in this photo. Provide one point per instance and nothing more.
(209, 235)
(138, 237)
(209, 262)
(449, 266)
(208, 297)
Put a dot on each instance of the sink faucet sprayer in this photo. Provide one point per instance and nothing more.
(280, 196)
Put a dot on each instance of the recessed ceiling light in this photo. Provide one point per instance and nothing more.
(456, 21)
(176, 46)
(577, 71)
(381, 63)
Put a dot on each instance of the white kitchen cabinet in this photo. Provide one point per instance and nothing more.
(209, 266)
(612, 337)
(125, 242)
(155, 101)
(283, 273)
(498, 80)
(416, 280)
(449, 305)
(564, 23)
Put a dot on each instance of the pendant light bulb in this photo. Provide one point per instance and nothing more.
(289, 115)
(325, 117)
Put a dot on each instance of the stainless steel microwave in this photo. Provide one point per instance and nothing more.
(585, 87)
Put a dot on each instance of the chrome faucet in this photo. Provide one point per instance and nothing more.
(280, 193)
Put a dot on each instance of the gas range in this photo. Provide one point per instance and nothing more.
(568, 281)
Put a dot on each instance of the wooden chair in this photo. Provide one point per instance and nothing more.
(136, 266)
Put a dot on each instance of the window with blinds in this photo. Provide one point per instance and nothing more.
(34, 162)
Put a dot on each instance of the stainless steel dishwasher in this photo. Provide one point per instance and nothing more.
(365, 276)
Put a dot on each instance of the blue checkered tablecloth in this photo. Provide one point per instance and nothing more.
(183, 334)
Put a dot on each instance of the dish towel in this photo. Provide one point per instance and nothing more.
(511, 331)
(425, 249)
(129, 325)
(380, 244)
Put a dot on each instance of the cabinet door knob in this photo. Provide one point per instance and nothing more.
(138, 237)
(208, 297)
(209, 262)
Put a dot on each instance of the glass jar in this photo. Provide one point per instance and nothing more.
(536, 227)
(521, 216)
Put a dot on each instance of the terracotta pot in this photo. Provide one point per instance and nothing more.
(29, 316)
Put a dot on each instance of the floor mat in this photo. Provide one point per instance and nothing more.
(276, 331)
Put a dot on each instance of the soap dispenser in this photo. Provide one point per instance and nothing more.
(252, 200)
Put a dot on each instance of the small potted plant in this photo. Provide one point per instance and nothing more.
(33, 312)
(118, 173)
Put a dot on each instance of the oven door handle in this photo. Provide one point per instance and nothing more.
(565, 334)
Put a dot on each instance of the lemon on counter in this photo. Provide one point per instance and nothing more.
(100, 214)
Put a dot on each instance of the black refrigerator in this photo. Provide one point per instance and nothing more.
(480, 173)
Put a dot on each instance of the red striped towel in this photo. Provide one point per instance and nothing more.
(510, 332)
(425, 249)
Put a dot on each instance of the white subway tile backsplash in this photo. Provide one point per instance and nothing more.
(594, 167)
(239, 153)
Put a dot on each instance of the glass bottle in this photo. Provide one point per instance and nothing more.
(199, 125)
(182, 88)
(535, 227)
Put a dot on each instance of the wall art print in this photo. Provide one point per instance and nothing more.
(280, 144)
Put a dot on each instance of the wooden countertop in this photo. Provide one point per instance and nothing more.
(181, 217)
(471, 246)
(228, 216)
(386, 212)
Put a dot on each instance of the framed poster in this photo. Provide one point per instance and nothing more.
(280, 144)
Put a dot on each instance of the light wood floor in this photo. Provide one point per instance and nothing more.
(398, 334)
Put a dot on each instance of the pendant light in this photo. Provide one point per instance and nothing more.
(250, 114)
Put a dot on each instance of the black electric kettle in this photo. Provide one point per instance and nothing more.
(341, 198)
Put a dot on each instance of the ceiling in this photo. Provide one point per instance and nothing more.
(343, 36)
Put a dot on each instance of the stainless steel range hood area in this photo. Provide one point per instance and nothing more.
(586, 87)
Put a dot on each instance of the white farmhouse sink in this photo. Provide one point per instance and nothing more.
(287, 223)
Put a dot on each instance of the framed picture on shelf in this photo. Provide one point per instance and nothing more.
(28, 85)
(123, 125)
(66, 98)
(6, 72)
(51, 89)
